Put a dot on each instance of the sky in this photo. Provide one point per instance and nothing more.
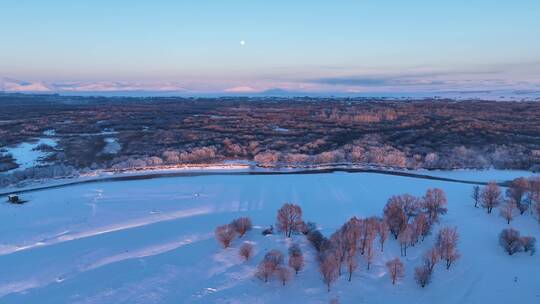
(242, 46)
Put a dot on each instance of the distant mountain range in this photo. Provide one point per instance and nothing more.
(10, 85)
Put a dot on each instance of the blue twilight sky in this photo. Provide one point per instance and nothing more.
(311, 46)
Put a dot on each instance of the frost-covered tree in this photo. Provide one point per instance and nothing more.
(270, 263)
(395, 269)
(283, 274)
(242, 225)
(533, 194)
(368, 233)
(395, 216)
(225, 234)
(476, 195)
(246, 250)
(422, 275)
(338, 244)
(529, 244)
(431, 258)
(434, 204)
(491, 196)
(383, 231)
(405, 239)
(516, 192)
(352, 264)
(421, 227)
(507, 210)
(329, 267)
(447, 241)
(370, 254)
(289, 219)
(296, 258)
(511, 241)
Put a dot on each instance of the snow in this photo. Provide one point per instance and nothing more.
(280, 129)
(26, 155)
(487, 175)
(112, 146)
(151, 241)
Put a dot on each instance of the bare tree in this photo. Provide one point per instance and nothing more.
(352, 234)
(225, 234)
(395, 269)
(271, 261)
(289, 219)
(410, 204)
(383, 233)
(296, 258)
(476, 195)
(516, 192)
(507, 210)
(422, 275)
(329, 268)
(352, 264)
(395, 216)
(338, 244)
(405, 239)
(447, 240)
(418, 227)
(491, 196)
(533, 192)
(242, 225)
(435, 204)
(368, 233)
(511, 241)
(422, 226)
(265, 270)
(533, 195)
(431, 258)
(529, 244)
(370, 254)
(283, 273)
(246, 250)
(537, 207)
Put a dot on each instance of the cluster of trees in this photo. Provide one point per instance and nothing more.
(273, 264)
(408, 218)
(289, 221)
(512, 242)
(411, 218)
(37, 173)
(290, 131)
(445, 249)
(522, 195)
(225, 234)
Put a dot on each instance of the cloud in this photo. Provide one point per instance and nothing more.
(18, 86)
(117, 87)
(12, 85)
(241, 89)
(377, 81)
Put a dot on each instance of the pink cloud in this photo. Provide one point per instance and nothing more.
(241, 89)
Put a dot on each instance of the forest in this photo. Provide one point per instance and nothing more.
(301, 131)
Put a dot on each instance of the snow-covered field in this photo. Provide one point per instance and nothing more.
(151, 241)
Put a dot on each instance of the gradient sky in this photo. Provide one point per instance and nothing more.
(334, 46)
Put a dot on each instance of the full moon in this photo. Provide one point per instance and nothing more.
(242, 42)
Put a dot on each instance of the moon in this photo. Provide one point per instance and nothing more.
(242, 42)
